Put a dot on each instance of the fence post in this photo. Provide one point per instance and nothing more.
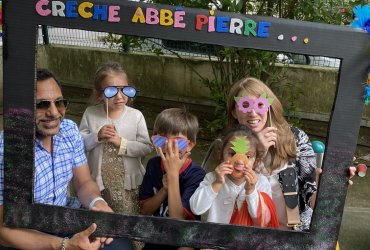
(45, 34)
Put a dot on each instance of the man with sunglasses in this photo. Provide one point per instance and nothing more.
(59, 158)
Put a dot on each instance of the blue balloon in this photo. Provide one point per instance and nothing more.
(318, 147)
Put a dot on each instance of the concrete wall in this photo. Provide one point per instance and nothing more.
(158, 77)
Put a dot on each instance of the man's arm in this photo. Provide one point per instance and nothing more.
(87, 189)
(31, 239)
(26, 238)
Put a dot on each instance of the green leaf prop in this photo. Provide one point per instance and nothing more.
(240, 145)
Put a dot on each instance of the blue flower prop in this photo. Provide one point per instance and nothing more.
(362, 18)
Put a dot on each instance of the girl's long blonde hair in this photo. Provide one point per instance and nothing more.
(285, 148)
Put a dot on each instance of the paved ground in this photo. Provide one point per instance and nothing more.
(355, 229)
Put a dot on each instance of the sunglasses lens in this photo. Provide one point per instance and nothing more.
(109, 92)
(182, 144)
(61, 103)
(129, 91)
(159, 141)
(43, 105)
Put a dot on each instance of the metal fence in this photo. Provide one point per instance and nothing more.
(75, 37)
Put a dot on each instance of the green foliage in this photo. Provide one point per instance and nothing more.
(291, 93)
(124, 42)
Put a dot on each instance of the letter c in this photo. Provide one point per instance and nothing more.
(82, 9)
(40, 10)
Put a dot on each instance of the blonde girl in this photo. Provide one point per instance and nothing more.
(116, 138)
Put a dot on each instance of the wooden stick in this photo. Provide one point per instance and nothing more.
(106, 105)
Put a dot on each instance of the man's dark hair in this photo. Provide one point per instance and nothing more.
(44, 74)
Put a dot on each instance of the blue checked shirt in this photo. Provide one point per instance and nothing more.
(53, 173)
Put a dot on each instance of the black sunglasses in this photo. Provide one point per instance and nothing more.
(45, 104)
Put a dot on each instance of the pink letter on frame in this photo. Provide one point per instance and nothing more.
(179, 17)
(113, 14)
(40, 10)
(152, 16)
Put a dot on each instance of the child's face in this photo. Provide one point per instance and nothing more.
(184, 145)
(239, 161)
(118, 101)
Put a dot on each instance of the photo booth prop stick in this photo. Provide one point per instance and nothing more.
(112, 91)
(319, 149)
(260, 105)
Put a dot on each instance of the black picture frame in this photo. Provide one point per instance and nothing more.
(20, 32)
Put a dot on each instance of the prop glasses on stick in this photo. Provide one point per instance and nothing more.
(112, 91)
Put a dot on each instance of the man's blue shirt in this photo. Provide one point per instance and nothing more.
(53, 172)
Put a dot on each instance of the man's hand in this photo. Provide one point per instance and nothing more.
(101, 206)
(83, 240)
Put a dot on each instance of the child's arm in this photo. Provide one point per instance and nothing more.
(152, 204)
(139, 147)
(259, 200)
(204, 196)
(149, 199)
(172, 164)
(250, 190)
(94, 136)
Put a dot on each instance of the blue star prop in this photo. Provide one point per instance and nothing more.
(362, 18)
